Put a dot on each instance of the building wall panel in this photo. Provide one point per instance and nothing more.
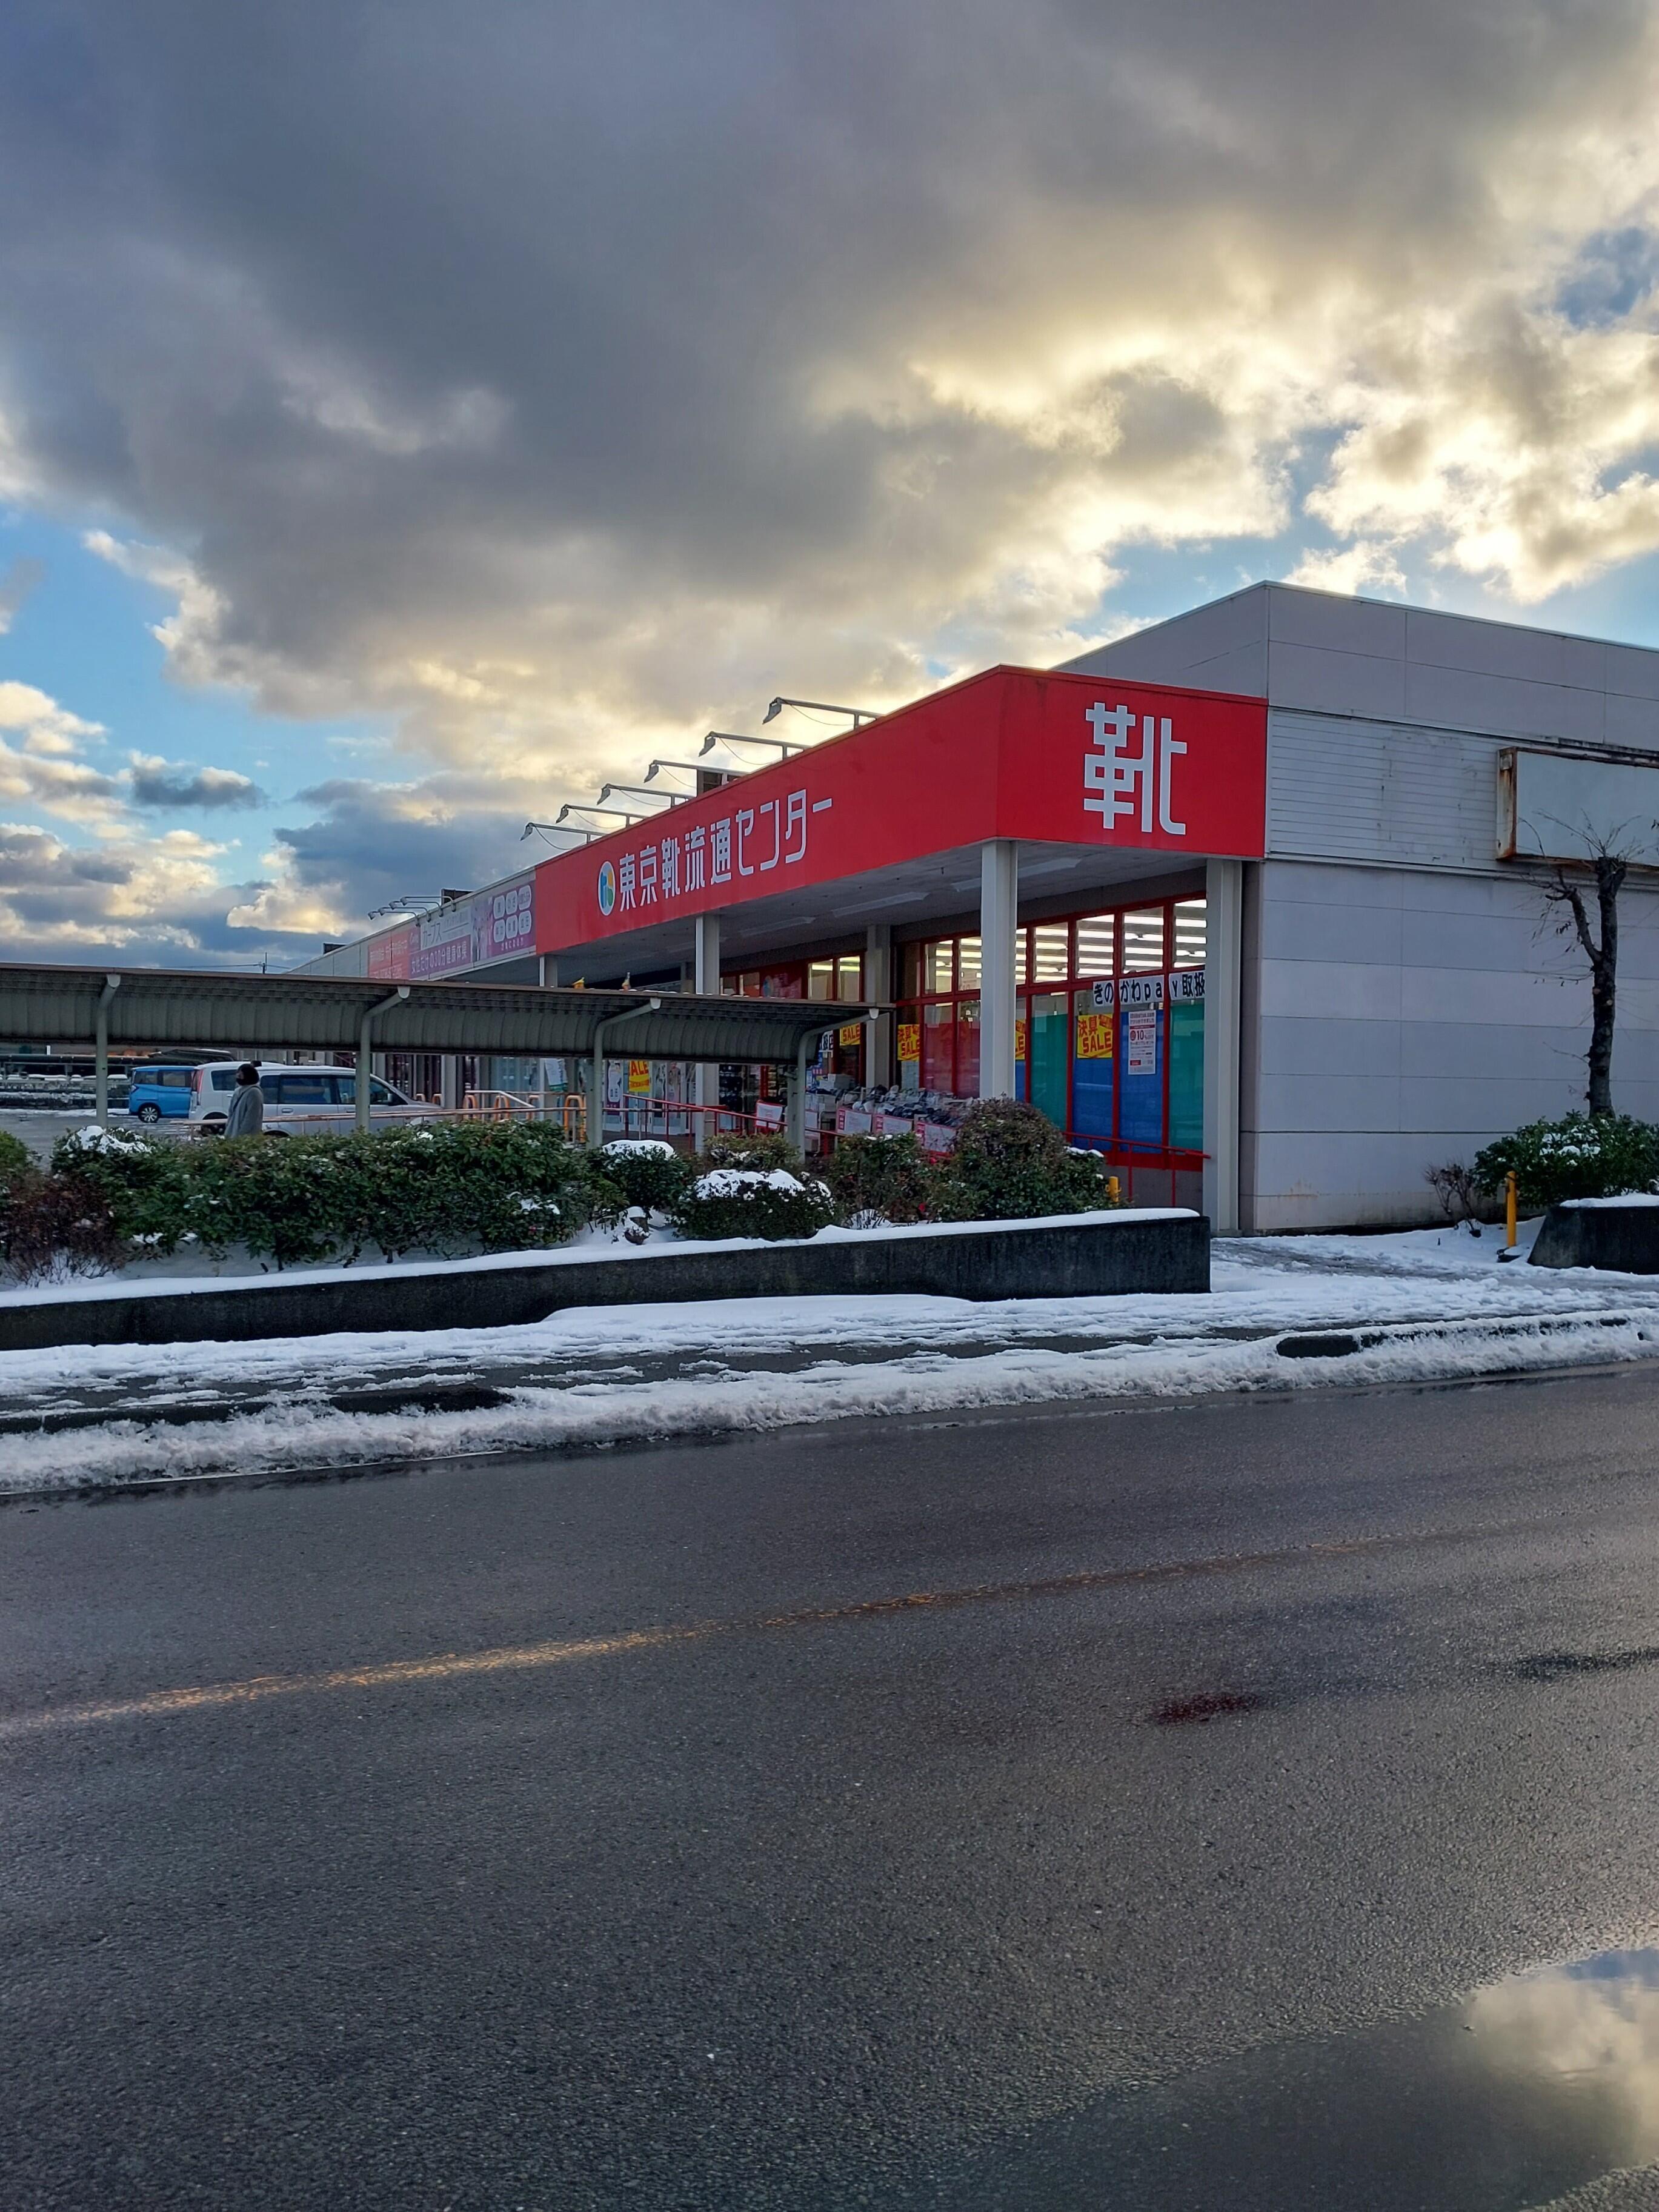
(1367, 1073)
(1379, 791)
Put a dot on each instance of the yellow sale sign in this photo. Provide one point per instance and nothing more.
(1094, 1036)
(850, 1033)
(639, 1079)
(909, 1039)
(1019, 1041)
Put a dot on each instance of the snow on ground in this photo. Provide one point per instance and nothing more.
(1423, 1305)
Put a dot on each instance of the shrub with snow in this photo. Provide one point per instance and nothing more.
(773, 1202)
(650, 1175)
(1580, 1156)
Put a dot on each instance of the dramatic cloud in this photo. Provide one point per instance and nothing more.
(369, 843)
(160, 783)
(557, 382)
(160, 899)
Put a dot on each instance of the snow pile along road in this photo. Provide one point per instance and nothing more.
(1284, 1314)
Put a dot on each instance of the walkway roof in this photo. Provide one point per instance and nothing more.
(153, 1008)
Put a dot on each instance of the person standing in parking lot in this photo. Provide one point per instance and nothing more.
(246, 1116)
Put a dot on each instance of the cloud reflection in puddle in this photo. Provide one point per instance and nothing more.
(1515, 2096)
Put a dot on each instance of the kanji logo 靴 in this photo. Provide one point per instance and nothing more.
(1121, 780)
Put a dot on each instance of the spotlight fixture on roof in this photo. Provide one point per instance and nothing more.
(639, 791)
(859, 715)
(616, 813)
(405, 902)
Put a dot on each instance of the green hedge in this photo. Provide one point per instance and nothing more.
(441, 1186)
(501, 1186)
(1580, 1156)
(649, 1173)
(1011, 1164)
(875, 1179)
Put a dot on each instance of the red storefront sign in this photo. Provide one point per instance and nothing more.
(499, 924)
(1071, 759)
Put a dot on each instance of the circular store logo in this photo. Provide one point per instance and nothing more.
(607, 887)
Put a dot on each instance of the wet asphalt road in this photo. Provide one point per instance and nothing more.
(726, 1882)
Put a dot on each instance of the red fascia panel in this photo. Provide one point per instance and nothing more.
(1005, 754)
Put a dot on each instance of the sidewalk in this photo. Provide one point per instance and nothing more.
(1285, 1313)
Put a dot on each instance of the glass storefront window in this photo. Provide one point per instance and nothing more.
(939, 1037)
(1189, 934)
(1096, 937)
(849, 975)
(1143, 940)
(1051, 952)
(821, 980)
(967, 1077)
(1127, 1076)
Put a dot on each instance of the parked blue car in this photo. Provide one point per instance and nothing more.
(155, 1091)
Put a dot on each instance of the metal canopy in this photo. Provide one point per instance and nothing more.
(152, 1007)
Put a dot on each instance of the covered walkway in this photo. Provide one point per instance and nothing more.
(149, 1009)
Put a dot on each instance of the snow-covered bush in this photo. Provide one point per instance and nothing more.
(499, 1186)
(14, 1159)
(773, 1202)
(444, 1188)
(650, 1174)
(1580, 1156)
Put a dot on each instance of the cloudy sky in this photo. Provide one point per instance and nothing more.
(412, 413)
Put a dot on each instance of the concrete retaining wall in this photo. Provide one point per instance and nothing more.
(1012, 1260)
(1622, 1237)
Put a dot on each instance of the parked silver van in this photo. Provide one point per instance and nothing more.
(300, 1100)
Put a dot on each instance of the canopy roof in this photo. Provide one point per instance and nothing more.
(151, 1008)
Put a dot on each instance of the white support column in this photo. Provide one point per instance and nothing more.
(1224, 986)
(100, 1052)
(998, 913)
(794, 1123)
(706, 1083)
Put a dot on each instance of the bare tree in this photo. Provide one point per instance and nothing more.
(1568, 890)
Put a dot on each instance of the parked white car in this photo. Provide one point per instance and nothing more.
(300, 1100)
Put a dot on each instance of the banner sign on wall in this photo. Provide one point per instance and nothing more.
(499, 924)
(1140, 1044)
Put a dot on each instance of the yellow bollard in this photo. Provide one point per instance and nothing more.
(1112, 1190)
(1509, 1209)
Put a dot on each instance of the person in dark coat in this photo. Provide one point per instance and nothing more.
(246, 1117)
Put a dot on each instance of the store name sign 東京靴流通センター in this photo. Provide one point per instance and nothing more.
(1010, 754)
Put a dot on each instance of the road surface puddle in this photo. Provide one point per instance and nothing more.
(1511, 2099)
